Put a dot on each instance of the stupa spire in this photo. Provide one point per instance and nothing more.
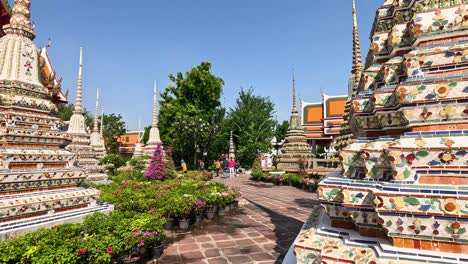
(20, 22)
(102, 121)
(155, 106)
(294, 109)
(96, 114)
(79, 87)
(357, 55)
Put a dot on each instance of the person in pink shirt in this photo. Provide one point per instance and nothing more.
(231, 166)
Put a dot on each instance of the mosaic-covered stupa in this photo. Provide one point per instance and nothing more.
(81, 142)
(232, 147)
(295, 148)
(154, 137)
(38, 177)
(403, 193)
(96, 137)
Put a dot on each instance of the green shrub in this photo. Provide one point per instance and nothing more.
(115, 159)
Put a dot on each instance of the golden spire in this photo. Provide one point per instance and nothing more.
(96, 114)
(357, 56)
(20, 22)
(79, 87)
(294, 110)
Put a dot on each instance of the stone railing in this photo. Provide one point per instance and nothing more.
(322, 166)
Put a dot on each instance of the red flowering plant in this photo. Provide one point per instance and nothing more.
(155, 169)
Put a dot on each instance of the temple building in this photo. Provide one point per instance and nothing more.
(295, 149)
(128, 142)
(322, 120)
(96, 137)
(403, 193)
(39, 179)
(154, 137)
(79, 132)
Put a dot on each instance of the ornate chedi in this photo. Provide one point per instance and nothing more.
(38, 177)
(403, 194)
(96, 138)
(154, 138)
(295, 147)
(81, 143)
(232, 148)
(138, 151)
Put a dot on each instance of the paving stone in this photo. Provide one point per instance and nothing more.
(225, 244)
(239, 259)
(210, 253)
(207, 245)
(262, 257)
(260, 231)
(218, 261)
(188, 247)
(192, 255)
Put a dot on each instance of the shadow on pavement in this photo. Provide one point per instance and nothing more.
(286, 230)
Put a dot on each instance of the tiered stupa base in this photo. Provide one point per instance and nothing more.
(294, 151)
(26, 212)
(320, 242)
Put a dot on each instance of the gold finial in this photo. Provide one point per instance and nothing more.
(20, 22)
(357, 56)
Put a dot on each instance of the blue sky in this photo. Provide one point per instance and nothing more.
(128, 44)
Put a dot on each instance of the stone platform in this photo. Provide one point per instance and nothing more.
(319, 242)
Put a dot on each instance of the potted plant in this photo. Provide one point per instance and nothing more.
(200, 204)
(182, 206)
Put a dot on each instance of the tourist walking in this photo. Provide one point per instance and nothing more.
(217, 167)
(231, 165)
(225, 167)
(184, 166)
(237, 166)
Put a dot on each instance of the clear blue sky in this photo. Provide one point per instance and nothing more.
(128, 44)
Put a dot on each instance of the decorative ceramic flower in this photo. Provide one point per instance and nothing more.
(442, 90)
(417, 226)
(398, 202)
(414, 91)
(447, 157)
(378, 201)
(420, 142)
(448, 111)
(402, 92)
(365, 155)
(450, 206)
(346, 196)
(375, 47)
(394, 157)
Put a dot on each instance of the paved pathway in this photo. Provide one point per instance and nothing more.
(260, 231)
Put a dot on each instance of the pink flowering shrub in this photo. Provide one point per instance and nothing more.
(155, 169)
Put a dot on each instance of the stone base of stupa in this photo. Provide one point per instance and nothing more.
(319, 242)
(19, 227)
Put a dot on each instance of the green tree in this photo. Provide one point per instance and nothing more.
(146, 134)
(281, 130)
(65, 111)
(253, 126)
(114, 126)
(190, 113)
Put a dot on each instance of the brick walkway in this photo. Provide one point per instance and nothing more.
(261, 231)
